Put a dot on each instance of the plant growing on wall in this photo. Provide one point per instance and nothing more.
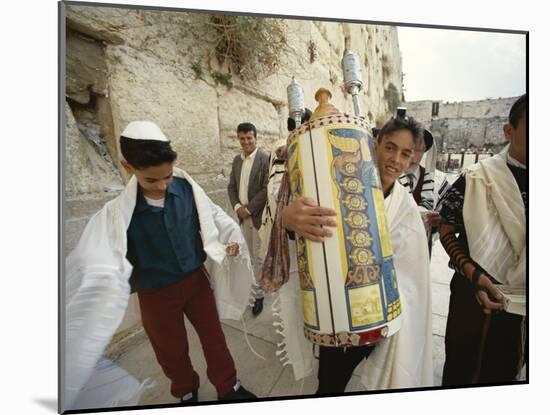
(223, 79)
(392, 96)
(312, 51)
(251, 47)
(386, 67)
(197, 69)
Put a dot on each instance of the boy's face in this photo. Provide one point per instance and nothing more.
(247, 141)
(394, 153)
(417, 155)
(153, 180)
(518, 139)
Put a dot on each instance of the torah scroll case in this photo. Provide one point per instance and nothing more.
(348, 283)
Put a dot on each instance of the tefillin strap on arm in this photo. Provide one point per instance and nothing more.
(457, 254)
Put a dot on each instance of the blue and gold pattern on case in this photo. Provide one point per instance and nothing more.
(303, 247)
(370, 282)
(391, 289)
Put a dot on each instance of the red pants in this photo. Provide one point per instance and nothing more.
(162, 311)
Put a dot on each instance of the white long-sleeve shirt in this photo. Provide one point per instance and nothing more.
(248, 162)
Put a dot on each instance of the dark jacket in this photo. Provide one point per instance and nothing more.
(257, 185)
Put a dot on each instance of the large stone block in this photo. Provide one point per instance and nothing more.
(102, 23)
(333, 34)
(85, 66)
(85, 170)
(236, 107)
(144, 88)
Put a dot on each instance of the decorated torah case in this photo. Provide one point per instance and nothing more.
(348, 283)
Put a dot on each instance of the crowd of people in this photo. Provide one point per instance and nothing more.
(164, 239)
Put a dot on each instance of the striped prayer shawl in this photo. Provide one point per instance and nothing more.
(410, 182)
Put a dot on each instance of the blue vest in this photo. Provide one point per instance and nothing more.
(164, 244)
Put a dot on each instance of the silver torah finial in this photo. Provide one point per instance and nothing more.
(352, 78)
(296, 106)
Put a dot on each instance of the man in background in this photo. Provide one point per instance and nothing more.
(419, 181)
(247, 191)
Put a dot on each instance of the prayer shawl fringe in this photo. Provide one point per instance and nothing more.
(97, 274)
(294, 348)
(494, 219)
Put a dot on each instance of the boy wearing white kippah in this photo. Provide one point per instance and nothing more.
(162, 238)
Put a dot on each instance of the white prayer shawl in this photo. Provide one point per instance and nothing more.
(494, 219)
(97, 278)
(429, 159)
(405, 359)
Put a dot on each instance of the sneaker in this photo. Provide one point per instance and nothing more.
(258, 306)
(194, 397)
(237, 395)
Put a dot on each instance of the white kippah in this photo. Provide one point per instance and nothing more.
(144, 130)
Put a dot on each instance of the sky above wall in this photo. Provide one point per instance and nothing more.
(455, 65)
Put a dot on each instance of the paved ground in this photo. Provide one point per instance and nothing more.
(270, 378)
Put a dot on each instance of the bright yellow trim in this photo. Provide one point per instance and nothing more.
(365, 150)
(335, 191)
(308, 307)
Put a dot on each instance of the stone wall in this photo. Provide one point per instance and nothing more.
(464, 133)
(465, 124)
(125, 65)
